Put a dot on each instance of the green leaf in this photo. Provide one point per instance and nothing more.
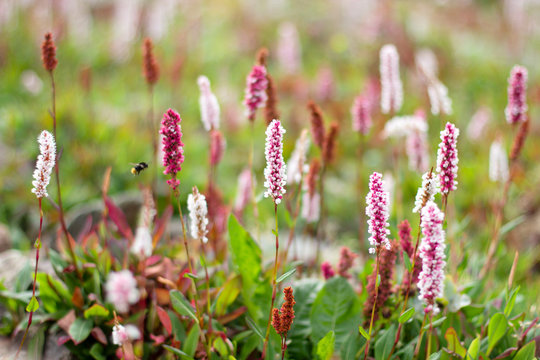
(246, 254)
(403, 318)
(178, 352)
(33, 305)
(384, 344)
(527, 352)
(36, 343)
(190, 346)
(496, 330)
(435, 323)
(182, 305)
(221, 347)
(96, 351)
(286, 275)
(335, 308)
(474, 348)
(191, 276)
(352, 345)
(511, 301)
(363, 332)
(453, 343)
(230, 292)
(325, 346)
(80, 329)
(96, 310)
(178, 330)
(253, 326)
(408, 263)
(511, 225)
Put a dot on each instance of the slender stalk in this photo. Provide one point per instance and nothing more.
(208, 304)
(321, 226)
(37, 245)
(190, 267)
(430, 335)
(360, 200)
(417, 349)
(57, 172)
(283, 347)
(274, 287)
(374, 303)
(154, 134)
(250, 164)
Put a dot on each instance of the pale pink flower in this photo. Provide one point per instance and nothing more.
(198, 215)
(289, 48)
(431, 251)
(391, 86)
(311, 207)
(45, 163)
(402, 126)
(243, 195)
(516, 110)
(142, 245)
(119, 335)
(275, 173)
(478, 123)
(417, 151)
(325, 85)
(121, 289)
(361, 115)
(296, 167)
(208, 104)
(438, 97)
(426, 192)
(498, 162)
(217, 147)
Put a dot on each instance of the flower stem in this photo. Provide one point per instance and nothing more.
(274, 286)
(374, 303)
(37, 245)
(417, 349)
(321, 226)
(250, 164)
(208, 304)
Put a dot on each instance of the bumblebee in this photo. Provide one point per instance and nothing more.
(137, 168)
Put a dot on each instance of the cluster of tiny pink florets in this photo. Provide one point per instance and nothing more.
(45, 163)
(377, 210)
(431, 278)
(173, 148)
(391, 86)
(361, 116)
(275, 173)
(256, 84)
(517, 90)
(447, 159)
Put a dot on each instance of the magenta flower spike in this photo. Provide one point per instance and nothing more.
(377, 210)
(447, 159)
(327, 271)
(173, 148)
(361, 115)
(45, 163)
(431, 278)
(517, 95)
(275, 173)
(255, 94)
(391, 86)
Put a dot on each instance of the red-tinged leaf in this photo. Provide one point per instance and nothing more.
(118, 217)
(161, 225)
(165, 319)
(99, 335)
(158, 339)
(106, 181)
(506, 353)
(86, 229)
(152, 260)
(69, 269)
(233, 315)
(89, 266)
(77, 298)
(62, 340)
(67, 320)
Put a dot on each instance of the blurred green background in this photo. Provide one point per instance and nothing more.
(102, 122)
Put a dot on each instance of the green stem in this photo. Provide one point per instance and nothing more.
(417, 349)
(274, 286)
(374, 303)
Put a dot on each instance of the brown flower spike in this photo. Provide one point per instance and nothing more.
(329, 149)
(317, 124)
(150, 65)
(282, 319)
(270, 111)
(48, 53)
(313, 174)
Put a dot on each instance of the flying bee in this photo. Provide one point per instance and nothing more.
(137, 168)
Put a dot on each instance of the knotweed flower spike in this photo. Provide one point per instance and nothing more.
(431, 278)
(377, 210)
(401, 126)
(517, 95)
(288, 48)
(217, 147)
(121, 290)
(296, 167)
(255, 94)
(275, 173)
(311, 207)
(271, 111)
(325, 86)
(48, 53)
(426, 192)
(150, 65)
(142, 245)
(329, 148)
(417, 151)
(391, 86)
(346, 261)
(498, 162)
(243, 195)
(327, 270)
(198, 215)
(45, 163)
(282, 319)
(361, 115)
(438, 97)
(173, 148)
(447, 159)
(405, 238)
(119, 335)
(317, 124)
(208, 104)
(519, 140)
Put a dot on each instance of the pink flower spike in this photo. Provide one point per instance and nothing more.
(217, 147)
(275, 173)
(517, 95)
(208, 104)
(119, 335)
(377, 210)
(391, 86)
(45, 163)
(121, 289)
(361, 115)
(431, 278)
(243, 196)
(447, 158)
(173, 148)
(255, 94)
(327, 271)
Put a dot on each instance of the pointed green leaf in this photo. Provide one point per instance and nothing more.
(527, 352)
(453, 343)
(80, 329)
(325, 347)
(403, 318)
(254, 327)
(496, 330)
(182, 305)
(190, 346)
(286, 275)
(474, 348)
(407, 262)
(191, 276)
(385, 343)
(510, 302)
(96, 310)
(363, 332)
(33, 305)
(178, 352)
